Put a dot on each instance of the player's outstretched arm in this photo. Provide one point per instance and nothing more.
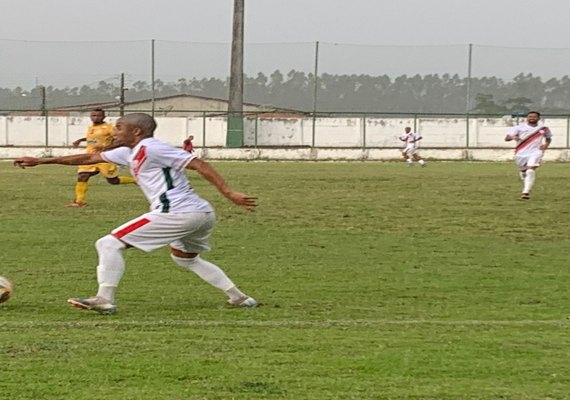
(211, 175)
(77, 142)
(75, 159)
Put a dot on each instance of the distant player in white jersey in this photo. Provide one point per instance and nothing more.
(178, 217)
(532, 140)
(410, 151)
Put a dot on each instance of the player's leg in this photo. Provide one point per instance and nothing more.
(408, 155)
(185, 252)
(143, 233)
(523, 168)
(82, 186)
(419, 159)
(109, 273)
(529, 179)
(533, 163)
(111, 174)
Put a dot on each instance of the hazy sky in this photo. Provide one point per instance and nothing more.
(533, 23)
(449, 25)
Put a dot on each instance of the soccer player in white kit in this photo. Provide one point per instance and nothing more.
(410, 152)
(178, 217)
(532, 140)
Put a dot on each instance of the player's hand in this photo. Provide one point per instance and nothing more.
(543, 147)
(76, 143)
(243, 200)
(24, 162)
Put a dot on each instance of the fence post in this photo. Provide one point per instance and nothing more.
(468, 94)
(315, 92)
(364, 132)
(568, 131)
(467, 122)
(203, 128)
(45, 114)
(256, 127)
(152, 78)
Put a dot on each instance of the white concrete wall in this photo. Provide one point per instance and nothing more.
(332, 135)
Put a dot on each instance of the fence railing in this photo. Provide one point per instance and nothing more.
(445, 78)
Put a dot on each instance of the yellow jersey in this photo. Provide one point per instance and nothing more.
(99, 136)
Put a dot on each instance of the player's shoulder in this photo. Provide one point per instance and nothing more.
(519, 128)
(156, 147)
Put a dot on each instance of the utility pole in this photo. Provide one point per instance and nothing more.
(122, 96)
(45, 113)
(234, 136)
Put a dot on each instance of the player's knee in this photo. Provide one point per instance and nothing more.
(114, 181)
(83, 177)
(109, 243)
(184, 262)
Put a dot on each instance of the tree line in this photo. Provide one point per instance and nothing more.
(295, 90)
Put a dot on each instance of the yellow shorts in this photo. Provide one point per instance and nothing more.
(108, 170)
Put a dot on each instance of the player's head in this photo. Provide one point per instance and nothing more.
(407, 129)
(97, 116)
(533, 117)
(191, 137)
(132, 128)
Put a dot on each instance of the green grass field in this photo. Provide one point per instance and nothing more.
(378, 282)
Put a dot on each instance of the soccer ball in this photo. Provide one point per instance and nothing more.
(5, 289)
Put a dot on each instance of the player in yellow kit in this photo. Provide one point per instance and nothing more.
(99, 135)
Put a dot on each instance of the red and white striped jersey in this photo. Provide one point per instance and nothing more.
(530, 138)
(159, 169)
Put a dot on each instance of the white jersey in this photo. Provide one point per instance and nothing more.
(410, 139)
(159, 171)
(530, 138)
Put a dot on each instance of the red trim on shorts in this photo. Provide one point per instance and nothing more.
(130, 228)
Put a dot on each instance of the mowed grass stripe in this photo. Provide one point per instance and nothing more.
(277, 323)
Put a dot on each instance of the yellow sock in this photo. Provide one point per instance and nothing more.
(81, 191)
(126, 179)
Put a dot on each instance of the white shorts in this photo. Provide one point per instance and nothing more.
(410, 151)
(188, 232)
(528, 160)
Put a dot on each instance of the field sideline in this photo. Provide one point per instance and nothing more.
(378, 281)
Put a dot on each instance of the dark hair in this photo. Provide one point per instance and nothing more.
(98, 110)
(533, 112)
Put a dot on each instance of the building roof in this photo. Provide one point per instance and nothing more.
(116, 104)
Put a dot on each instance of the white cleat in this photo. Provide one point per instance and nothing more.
(246, 302)
(97, 304)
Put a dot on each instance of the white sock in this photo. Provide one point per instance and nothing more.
(522, 175)
(210, 273)
(529, 180)
(409, 161)
(111, 266)
(422, 162)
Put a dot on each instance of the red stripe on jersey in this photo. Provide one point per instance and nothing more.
(139, 159)
(130, 228)
(528, 141)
